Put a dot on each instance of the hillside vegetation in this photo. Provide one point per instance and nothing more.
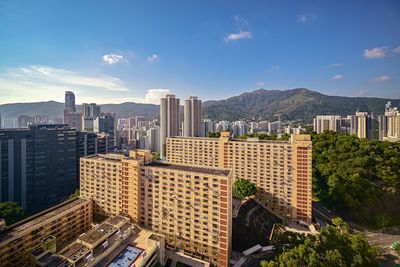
(302, 104)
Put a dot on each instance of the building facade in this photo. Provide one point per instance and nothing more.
(191, 206)
(65, 222)
(327, 123)
(38, 165)
(192, 117)
(169, 120)
(364, 125)
(392, 117)
(280, 169)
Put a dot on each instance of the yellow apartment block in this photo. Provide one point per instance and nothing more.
(63, 223)
(190, 206)
(101, 180)
(280, 169)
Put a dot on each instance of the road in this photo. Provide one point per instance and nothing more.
(384, 240)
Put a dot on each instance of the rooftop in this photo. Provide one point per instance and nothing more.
(212, 171)
(32, 222)
(252, 140)
(111, 157)
(98, 234)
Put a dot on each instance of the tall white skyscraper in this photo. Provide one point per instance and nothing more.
(169, 120)
(192, 117)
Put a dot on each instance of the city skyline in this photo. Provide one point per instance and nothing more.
(113, 53)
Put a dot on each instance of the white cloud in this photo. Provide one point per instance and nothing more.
(34, 83)
(153, 58)
(375, 53)
(242, 30)
(337, 77)
(273, 68)
(42, 83)
(305, 18)
(260, 84)
(153, 96)
(397, 50)
(238, 36)
(112, 59)
(379, 79)
(336, 65)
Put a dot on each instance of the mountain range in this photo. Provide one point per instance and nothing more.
(300, 103)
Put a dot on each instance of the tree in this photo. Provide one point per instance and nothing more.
(75, 194)
(243, 188)
(156, 156)
(335, 245)
(11, 212)
(213, 134)
(359, 177)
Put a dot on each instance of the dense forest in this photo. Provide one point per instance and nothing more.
(357, 178)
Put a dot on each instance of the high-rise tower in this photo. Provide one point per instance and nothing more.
(192, 117)
(169, 120)
(70, 101)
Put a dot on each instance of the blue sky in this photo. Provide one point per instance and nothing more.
(118, 51)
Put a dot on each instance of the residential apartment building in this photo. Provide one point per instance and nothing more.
(169, 120)
(192, 117)
(392, 117)
(101, 180)
(191, 206)
(280, 169)
(364, 125)
(64, 222)
(327, 123)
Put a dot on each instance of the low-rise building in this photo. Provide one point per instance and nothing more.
(62, 223)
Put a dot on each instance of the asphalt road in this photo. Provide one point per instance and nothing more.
(383, 240)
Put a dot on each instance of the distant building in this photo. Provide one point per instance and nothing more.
(70, 102)
(264, 126)
(207, 127)
(89, 143)
(71, 117)
(382, 127)
(192, 117)
(38, 165)
(105, 123)
(275, 127)
(25, 120)
(392, 119)
(91, 110)
(153, 139)
(223, 126)
(169, 120)
(239, 128)
(9, 123)
(327, 123)
(364, 125)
